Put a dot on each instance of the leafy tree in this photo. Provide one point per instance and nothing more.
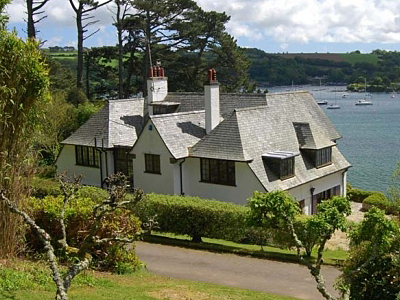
(3, 17)
(373, 267)
(279, 210)
(82, 10)
(23, 92)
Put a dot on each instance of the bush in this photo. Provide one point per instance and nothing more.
(380, 201)
(195, 217)
(358, 195)
(42, 187)
(78, 219)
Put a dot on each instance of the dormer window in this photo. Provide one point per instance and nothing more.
(319, 157)
(281, 163)
(323, 157)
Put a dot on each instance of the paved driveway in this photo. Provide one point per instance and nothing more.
(232, 270)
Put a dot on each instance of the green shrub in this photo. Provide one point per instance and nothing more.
(42, 187)
(195, 217)
(78, 219)
(380, 201)
(358, 195)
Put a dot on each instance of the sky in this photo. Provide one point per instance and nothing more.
(294, 26)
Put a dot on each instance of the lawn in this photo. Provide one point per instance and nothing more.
(332, 257)
(28, 280)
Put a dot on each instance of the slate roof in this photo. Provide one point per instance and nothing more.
(118, 123)
(179, 131)
(248, 133)
(228, 101)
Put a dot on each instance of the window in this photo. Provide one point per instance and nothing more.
(217, 171)
(152, 163)
(123, 163)
(323, 157)
(87, 156)
(287, 168)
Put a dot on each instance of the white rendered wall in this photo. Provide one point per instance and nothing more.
(150, 142)
(157, 89)
(246, 183)
(66, 161)
(211, 105)
(303, 192)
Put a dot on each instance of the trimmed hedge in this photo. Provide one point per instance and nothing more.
(358, 195)
(380, 201)
(43, 187)
(194, 216)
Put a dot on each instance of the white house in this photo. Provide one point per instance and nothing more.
(212, 145)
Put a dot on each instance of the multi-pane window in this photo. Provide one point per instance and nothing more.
(152, 163)
(217, 171)
(287, 168)
(123, 163)
(323, 157)
(87, 156)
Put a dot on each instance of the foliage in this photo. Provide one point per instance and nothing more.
(194, 216)
(76, 96)
(23, 94)
(280, 209)
(358, 195)
(3, 17)
(371, 271)
(394, 189)
(380, 201)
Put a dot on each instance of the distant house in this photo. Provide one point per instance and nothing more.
(212, 145)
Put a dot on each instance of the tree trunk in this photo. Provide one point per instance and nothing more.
(30, 22)
(88, 75)
(79, 73)
(120, 54)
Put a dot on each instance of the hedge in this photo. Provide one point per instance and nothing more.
(194, 216)
(380, 201)
(358, 195)
(43, 187)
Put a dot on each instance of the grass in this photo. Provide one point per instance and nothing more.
(331, 257)
(31, 280)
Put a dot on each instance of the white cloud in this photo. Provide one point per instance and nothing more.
(282, 21)
(304, 21)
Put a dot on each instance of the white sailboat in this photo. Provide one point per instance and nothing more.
(334, 106)
(321, 102)
(365, 101)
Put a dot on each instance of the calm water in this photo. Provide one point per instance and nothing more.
(371, 134)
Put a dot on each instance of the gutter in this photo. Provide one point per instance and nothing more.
(181, 175)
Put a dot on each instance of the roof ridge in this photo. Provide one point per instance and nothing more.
(289, 92)
(251, 108)
(177, 114)
(126, 100)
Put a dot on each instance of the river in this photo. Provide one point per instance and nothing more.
(371, 134)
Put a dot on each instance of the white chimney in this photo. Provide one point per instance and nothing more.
(211, 97)
(157, 86)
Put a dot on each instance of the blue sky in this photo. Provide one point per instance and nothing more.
(270, 25)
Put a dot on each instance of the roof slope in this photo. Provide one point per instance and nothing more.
(179, 131)
(228, 102)
(249, 133)
(118, 123)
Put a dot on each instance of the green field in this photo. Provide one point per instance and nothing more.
(337, 57)
(354, 58)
